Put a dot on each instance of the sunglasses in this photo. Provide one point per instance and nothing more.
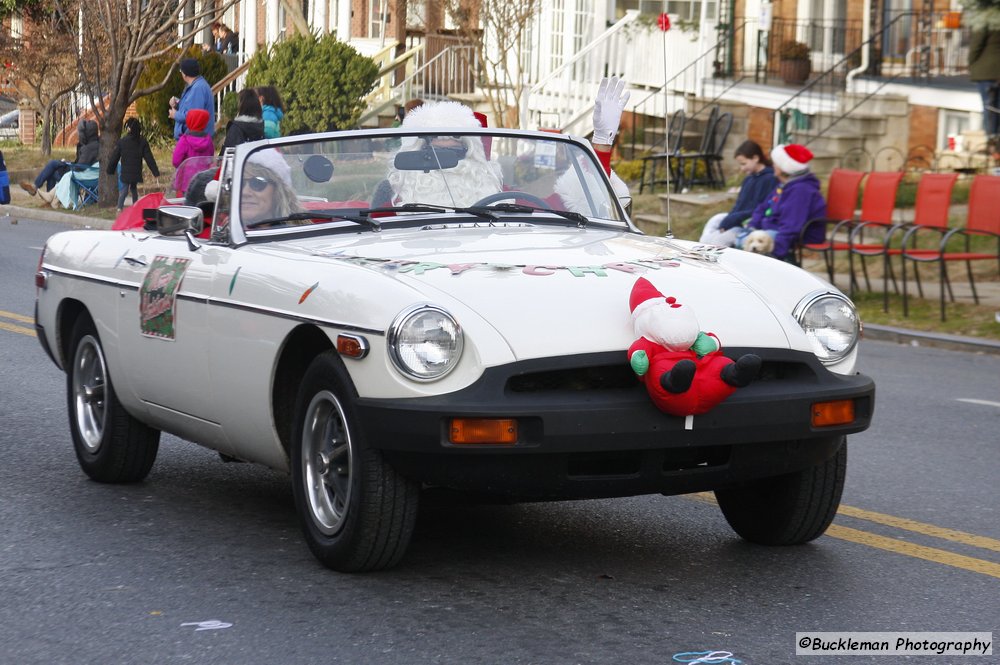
(258, 183)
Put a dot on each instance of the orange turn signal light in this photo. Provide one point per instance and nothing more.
(828, 414)
(483, 430)
(352, 346)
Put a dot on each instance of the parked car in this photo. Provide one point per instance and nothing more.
(455, 314)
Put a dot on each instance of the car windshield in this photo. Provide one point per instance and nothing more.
(371, 180)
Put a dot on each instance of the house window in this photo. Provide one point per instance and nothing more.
(582, 20)
(953, 123)
(558, 33)
(690, 10)
(375, 8)
(685, 10)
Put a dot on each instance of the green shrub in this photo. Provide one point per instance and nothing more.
(629, 171)
(322, 81)
(153, 108)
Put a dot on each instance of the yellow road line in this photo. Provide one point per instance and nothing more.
(16, 317)
(917, 551)
(18, 329)
(920, 527)
(903, 547)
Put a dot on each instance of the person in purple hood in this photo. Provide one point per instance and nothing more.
(795, 200)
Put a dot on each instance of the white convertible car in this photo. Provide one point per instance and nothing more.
(381, 313)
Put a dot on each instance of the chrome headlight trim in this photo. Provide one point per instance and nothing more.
(841, 336)
(407, 362)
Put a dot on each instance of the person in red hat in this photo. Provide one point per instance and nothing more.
(194, 151)
(795, 200)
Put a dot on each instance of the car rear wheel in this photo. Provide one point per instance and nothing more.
(111, 445)
(790, 509)
(357, 513)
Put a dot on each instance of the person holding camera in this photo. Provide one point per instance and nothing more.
(197, 95)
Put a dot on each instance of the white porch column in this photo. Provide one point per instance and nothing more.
(320, 10)
(248, 15)
(344, 20)
(272, 29)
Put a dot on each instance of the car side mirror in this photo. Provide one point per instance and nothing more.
(171, 220)
(626, 203)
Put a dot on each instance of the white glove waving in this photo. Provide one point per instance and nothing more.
(608, 107)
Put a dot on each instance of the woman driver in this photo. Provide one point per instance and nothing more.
(266, 190)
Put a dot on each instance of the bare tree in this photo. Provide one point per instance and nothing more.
(115, 39)
(45, 70)
(498, 29)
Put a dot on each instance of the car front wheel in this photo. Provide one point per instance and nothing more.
(356, 512)
(111, 445)
(787, 510)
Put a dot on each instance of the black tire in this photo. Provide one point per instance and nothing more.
(790, 509)
(357, 513)
(111, 445)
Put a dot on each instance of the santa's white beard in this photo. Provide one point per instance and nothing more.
(461, 186)
(674, 328)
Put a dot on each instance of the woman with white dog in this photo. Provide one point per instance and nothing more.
(796, 200)
(726, 227)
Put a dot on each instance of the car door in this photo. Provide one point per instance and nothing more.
(162, 329)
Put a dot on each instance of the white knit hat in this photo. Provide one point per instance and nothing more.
(792, 159)
(271, 159)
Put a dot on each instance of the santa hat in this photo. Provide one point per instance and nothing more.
(792, 158)
(644, 295)
(196, 120)
(439, 115)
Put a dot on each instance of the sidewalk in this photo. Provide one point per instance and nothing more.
(21, 207)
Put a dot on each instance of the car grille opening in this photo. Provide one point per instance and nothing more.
(605, 377)
(620, 377)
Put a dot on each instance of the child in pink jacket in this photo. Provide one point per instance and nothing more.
(195, 142)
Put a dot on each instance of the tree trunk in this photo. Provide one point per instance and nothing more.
(46, 127)
(107, 187)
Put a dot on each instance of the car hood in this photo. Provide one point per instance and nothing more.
(566, 290)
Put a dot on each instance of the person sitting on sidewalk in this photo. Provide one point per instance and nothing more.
(726, 228)
(795, 200)
(87, 149)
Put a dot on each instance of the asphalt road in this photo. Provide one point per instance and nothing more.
(103, 574)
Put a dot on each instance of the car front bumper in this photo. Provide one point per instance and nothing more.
(586, 428)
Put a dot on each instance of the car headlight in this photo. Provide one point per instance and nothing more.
(831, 324)
(425, 343)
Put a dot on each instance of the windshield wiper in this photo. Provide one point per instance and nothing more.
(408, 207)
(361, 219)
(517, 208)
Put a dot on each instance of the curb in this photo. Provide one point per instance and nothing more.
(15, 212)
(871, 331)
(935, 340)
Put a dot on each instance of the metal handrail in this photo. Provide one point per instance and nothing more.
(545, 82)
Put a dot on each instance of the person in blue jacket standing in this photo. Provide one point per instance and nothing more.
(197, 95)
(795, 201)
(725, 228)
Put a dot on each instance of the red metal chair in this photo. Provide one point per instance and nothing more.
(878, 204)
(983, 220)
(841, 202)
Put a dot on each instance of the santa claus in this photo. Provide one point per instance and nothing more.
(683, 368)
(474, 178)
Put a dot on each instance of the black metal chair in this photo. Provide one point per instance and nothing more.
(675, 134)
(709, 154)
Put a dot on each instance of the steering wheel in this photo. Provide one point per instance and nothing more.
(513, 195)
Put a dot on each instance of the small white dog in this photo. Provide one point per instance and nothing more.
(759, 242)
